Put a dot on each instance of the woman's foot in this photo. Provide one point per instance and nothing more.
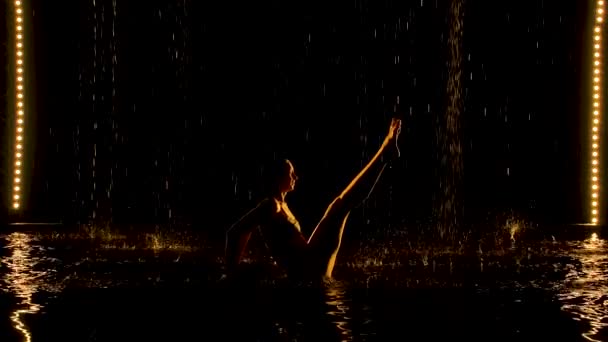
(393, 138)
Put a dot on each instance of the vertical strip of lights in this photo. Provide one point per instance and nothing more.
(20, 110)
(597, 109)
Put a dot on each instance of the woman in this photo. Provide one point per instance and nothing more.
(315, 256)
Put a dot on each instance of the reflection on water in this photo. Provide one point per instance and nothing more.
(22, 280)
(586, 297)
(338, 310)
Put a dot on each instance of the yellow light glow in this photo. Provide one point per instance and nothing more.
(20, 96)
(597, 37)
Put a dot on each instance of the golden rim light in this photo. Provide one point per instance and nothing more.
(20, 111)
(596, 99)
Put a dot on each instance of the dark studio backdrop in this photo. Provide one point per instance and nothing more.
(167, 112)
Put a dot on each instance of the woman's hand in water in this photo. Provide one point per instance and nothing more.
(394, 129)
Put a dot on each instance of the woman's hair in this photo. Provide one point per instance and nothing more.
(274, 173)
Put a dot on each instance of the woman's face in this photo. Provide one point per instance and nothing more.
(289, 181)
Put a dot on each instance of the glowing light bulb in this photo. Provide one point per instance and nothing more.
(597, 46)
(596, 121)
(597, 37)
(19, 28)
(596, 104)
(19, 10)
(594, 195)
(595, 137)
(19, 104)
(595, 155)
(595, 129)
(594, 170)
(596, 71)
(594, 162)
(18, 154)
(594, 203)
(19, 45)
(594, 187)
(19, 36)
(17, 180)
(20, 121)
(19, 146)
(19, 129)
(18, 3)
(595, 179)
(596, 96)
(16, 197)
(18, 163)
(596, 88)
(19, 78)
(596, 79)
(16, 205)
(17, 188)
(594, 220)
(18, 172)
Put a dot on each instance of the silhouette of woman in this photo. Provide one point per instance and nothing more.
(315, 256)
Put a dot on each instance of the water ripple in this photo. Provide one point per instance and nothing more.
(584, 294)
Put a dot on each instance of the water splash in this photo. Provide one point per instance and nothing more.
(448, 209)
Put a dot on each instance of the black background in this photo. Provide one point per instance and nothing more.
(206, 95)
